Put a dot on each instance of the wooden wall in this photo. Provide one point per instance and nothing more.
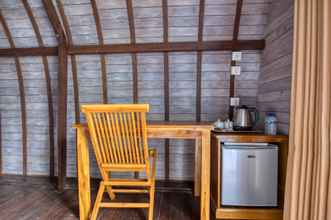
(183, 26)
(275, 79)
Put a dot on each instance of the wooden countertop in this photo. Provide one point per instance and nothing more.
(249, 137)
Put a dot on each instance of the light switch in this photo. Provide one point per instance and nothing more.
(236, 56)
(235, 70)
(234, 101)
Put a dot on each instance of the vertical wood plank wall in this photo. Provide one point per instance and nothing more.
(151, 84)
(275, 79)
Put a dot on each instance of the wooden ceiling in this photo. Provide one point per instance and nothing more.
(99, 26)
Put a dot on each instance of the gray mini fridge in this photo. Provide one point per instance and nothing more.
(249, 174)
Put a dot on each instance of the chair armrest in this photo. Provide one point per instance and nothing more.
(82, 128)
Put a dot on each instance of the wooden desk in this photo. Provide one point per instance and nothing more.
(197, 131)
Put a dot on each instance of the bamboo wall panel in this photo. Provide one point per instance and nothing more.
(3, 39)
(10, 118)
(275, 80)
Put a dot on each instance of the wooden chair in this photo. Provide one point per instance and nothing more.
(119, 138)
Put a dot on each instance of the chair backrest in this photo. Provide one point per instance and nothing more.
(119, 135)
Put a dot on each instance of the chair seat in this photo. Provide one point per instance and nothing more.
(128, 182)
(123, 167)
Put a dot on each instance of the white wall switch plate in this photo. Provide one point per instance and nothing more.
(234, 101)
(236, 56)
(235, 70)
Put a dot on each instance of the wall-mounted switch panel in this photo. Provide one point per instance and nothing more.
(236, 56)
(234, 101)
(235, 70)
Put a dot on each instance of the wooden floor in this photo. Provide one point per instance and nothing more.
(35, 198)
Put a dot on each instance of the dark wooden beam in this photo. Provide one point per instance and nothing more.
(72, 59)
(166, 86)
(104, 80)
(139, 48)
(34, 51)
(237, 19)
(55, 21)
(133, 54)
(48, 89)
(169, 47)
(62, 91)
(21, 92)
(199, 60)
(235, 39)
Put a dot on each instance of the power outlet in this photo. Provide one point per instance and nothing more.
(235, 70)
(234, 101)
(236, 56)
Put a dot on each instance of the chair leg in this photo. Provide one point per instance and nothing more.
(98, 201)
(151, 202)
(110, 193)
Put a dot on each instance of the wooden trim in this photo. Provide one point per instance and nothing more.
(48, 88)
(23, 114)
(73, 61)
(22, 94)
(133, 55)
(237, 20)
(51, 124)
(198, 86)
(233, 63)
(103, 58)
(75, 87)
(131, 21)
(7, 31)
(199, 61)
(62, 117)
(166, 86)
(33, 51)
(62, 100)
(135, 77)
(139, 48)
(169, 47)
(55, 21)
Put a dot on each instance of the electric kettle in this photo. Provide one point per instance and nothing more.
(243, 119)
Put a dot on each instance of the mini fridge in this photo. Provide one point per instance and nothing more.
(249, 174)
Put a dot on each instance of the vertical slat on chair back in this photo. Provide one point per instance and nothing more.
(118, 133)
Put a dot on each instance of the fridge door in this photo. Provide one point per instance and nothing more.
(249, 175)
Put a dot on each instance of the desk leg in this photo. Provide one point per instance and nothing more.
(205, 175)
(197, 168)
(83, 168)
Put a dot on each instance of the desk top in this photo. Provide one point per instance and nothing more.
(180, 124)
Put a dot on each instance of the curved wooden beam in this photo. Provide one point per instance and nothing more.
(103, 57)
(199, 60)
(73, 61)
(48, 88)
(133, 55)
(21, 91)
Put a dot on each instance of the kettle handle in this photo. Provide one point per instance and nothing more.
(256, 116)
